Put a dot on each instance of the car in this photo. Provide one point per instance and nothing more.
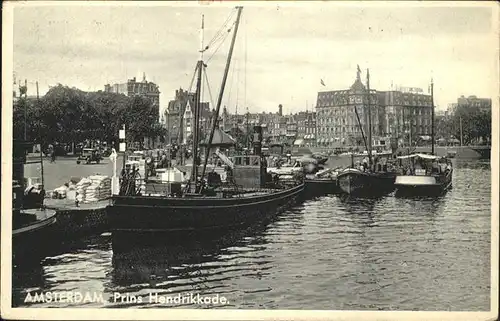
(90, 155)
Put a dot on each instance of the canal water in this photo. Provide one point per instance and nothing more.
(329, 253)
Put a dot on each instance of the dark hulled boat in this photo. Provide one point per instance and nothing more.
(201, 209)
(356, 182)
(32, 224)
(365, 180)
(198, 213)
(322, 183)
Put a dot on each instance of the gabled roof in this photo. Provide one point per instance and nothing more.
(220, 139)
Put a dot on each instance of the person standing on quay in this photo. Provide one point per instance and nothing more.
(52, 155)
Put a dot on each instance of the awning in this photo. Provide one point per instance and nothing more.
(298, 142)
(424, 156)
(320, 140)
(332, 140)
(312, 136)
(306, 136)
(425, 137)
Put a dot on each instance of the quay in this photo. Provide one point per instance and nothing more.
(82, 220)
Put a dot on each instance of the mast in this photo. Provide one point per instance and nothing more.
(221, 93)
(361, 128)
(432, 116)
(369, 118)
(196, 111)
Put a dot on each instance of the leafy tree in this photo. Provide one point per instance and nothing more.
(476, 124)
(70, 115)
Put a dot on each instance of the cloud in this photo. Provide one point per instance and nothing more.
(281, 53)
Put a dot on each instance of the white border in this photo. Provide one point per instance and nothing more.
(202, 314)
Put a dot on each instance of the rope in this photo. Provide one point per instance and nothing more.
(208, 86)
(220, 43)
(220, 31)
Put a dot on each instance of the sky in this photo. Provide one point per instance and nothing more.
(282, 50)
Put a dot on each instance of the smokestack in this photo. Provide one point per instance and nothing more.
(280, 110)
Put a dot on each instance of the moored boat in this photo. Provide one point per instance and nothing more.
(357, 182)
(372, 178)
(424, 175)
(32, 224)
(324, 182)
(203, 207)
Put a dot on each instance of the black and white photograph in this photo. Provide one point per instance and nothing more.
(250, 160)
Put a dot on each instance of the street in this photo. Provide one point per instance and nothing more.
(64, 168)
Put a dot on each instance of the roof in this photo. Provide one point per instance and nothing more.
(220, 139)
(358, 85)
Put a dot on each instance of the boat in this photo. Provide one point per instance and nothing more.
(324, 182)
(32, 223)
(369, 179)
(425, 174)
(357, 182)
(199, 207)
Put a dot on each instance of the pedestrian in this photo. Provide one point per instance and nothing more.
(52, 156)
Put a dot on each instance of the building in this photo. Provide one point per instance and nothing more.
(179, 116)
(143, 88)
(306, 128)
(408, 115)
(395, 113)
(483, 104)
(188, 119)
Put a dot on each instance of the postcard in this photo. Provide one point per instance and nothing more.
(250, 160)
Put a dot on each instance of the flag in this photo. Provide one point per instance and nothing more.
(322, 82)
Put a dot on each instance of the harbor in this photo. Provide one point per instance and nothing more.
(365, 251)
(375, 197)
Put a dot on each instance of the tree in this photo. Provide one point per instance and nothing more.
(70, 115)
(475, 124)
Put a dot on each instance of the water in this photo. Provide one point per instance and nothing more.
(329, 253)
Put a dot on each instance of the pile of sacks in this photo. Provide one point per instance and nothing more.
(88, 189)
(99, 189)
(81, 189)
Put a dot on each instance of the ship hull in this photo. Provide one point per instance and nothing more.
(31, 240)
(315, 187)
(407, 185)
(358, 183)
(190, 218)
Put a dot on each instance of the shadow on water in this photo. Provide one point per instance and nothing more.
(29, 273)
(356, 205)
(198, 264)
(475, 164)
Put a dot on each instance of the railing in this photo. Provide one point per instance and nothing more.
(246, 160)
(134, 185)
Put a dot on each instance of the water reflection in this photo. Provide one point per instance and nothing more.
(204, 266)
(329, 253)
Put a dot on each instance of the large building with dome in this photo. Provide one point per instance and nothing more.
(401, 113)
